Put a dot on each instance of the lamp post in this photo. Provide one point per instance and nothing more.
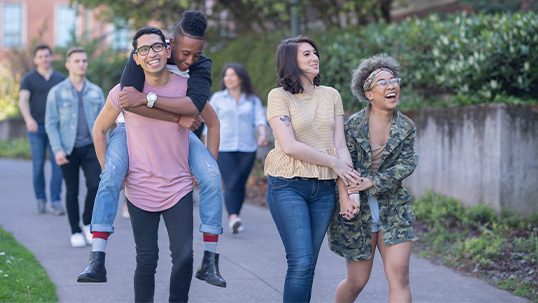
(295, 18)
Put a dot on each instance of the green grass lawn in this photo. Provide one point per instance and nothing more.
(22, 278)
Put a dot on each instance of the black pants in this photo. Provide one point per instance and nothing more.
(234, 168)
(179, 225)
(86, 158)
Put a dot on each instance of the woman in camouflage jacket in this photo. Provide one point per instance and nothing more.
(381, 143)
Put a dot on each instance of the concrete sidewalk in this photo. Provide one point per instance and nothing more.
(253, 262)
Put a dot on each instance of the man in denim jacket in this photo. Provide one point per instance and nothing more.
(72, 107)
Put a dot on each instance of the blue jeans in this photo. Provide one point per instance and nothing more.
(178, 221)
(302, 209)
(203, 167)
(39, 142)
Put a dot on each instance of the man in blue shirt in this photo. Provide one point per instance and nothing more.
(72, 107)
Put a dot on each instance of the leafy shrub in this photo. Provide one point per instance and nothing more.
(479, 215)
(16, 148)
(431, 207)
(9, 93)
(105, 65)
(478, 58)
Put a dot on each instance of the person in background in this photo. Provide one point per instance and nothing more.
(376, 212)
(34, 88)
(72, 107)
(310, 153)
(240, 112)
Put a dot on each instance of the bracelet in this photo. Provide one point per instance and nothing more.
(177, 122)
(178, 126)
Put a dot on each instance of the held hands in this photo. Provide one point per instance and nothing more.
(192, 123)
(61, 158)
(130, 97)
(262, 140)
(350, 206)
(31, 125)
(359, 185)
(346, 172)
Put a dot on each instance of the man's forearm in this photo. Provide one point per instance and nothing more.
(213, 140)
(101, 144)
(154, 113)
(177, 105)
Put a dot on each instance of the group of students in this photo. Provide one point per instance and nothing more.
(325, 176)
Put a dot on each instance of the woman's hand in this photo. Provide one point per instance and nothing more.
(348, 207)
(262, 139)
(345, 172)
(360, 185)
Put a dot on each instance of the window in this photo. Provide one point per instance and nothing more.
(65, 24)
(12, 25)
(121, 37)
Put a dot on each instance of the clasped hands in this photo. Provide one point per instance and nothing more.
(350, 203)
(130, 97)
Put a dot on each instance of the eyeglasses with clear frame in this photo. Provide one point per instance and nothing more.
(383, 84)
(144, 49)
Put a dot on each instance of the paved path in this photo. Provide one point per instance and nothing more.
(253, 262)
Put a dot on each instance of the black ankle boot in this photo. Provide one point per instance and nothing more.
(209, 270)
(96, 271)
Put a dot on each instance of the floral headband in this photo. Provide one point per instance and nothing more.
(368, 83)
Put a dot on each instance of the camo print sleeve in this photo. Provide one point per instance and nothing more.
(391, 179)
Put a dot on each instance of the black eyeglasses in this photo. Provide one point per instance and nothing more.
(144, 50)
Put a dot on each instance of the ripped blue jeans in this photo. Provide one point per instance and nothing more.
(203, 167)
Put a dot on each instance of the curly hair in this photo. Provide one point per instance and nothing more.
(193, 24)
(366, 67)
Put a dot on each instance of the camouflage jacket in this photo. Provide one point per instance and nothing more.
(351, 239)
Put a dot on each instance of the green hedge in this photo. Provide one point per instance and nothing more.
(474, 59)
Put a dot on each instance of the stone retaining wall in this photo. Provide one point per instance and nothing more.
(479, 154)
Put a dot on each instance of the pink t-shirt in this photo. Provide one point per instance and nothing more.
(159, 174)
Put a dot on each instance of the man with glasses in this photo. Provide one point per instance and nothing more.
(186, 50)
(159, 182)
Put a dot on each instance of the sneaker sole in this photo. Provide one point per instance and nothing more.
(235, 228)
(88, 280)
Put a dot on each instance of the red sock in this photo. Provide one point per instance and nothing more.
(210, 242)
(100, 235)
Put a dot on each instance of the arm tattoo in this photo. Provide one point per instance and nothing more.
(348, 261)
(286, 120)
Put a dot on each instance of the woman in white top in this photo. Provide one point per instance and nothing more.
(240, 111)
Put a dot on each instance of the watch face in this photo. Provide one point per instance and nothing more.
(152, 96)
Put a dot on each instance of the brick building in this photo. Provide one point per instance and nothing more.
(24, 22)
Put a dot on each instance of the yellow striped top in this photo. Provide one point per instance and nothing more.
(312, 118)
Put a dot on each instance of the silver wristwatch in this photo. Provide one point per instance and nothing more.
(152, 97)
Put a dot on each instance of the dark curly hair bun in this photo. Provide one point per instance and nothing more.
(194, 23)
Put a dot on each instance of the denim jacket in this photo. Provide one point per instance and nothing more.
(61, 116)
(352, 239)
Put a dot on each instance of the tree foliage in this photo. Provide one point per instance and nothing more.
(241, 17)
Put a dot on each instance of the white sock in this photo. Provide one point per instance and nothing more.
(98, 244)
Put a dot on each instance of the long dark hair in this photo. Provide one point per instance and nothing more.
(288, 71)
(242, 73)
